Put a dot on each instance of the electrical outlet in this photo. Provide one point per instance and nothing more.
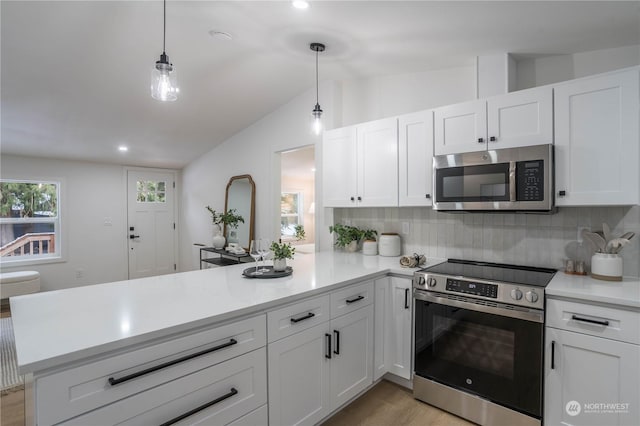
(580, 229)
(406, 228)
(107, 221)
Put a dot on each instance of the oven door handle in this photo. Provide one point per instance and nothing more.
(512, 181)
(527, 315)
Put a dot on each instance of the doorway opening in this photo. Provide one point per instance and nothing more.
(297, 198)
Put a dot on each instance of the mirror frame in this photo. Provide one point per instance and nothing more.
(253, 204)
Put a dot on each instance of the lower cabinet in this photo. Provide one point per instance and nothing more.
(398, 335)
(315, 371)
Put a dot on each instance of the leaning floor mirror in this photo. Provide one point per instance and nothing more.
(241, 196)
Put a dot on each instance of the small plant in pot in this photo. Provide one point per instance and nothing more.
(230, 218)
(300, 234)
(347, 237)
(370, 243)
(281, 252)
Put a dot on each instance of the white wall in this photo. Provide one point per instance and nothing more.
(90, 193)
(533, 72)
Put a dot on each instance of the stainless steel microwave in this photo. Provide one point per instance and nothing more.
(509, 179)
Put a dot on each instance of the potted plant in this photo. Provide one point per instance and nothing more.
(281, 252)
(347, 237)
(370, 243)
(229, 218)
(299, 232)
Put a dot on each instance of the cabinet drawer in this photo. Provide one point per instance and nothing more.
(611, 323)
(259, 417)
(71, 392)
(351, 298)
(297, 317)
(216, 395)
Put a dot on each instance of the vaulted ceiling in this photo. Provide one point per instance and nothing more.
(75, 75)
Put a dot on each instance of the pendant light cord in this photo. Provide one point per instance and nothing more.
(316, 76)
(164, 27)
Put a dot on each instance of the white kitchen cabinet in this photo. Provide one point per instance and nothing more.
(315, 371)
(339, 167)
(398, 335)
(360, 165)
(596, 140)
(592, 356)
(299, 375)
(512, 120)
(380, 317)
(415, 159)
(352, 352)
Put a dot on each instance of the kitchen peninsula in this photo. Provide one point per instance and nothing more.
(81, 344)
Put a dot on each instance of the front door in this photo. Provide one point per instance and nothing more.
(151, 223)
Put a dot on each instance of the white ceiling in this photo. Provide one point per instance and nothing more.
(75, 75)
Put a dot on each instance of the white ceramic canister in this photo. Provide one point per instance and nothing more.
(605, 266)
(389, 244)
(370, 248)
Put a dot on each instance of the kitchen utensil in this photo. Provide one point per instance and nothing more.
(615, 245)
(598, 242)
(628, 235)
(606, 232)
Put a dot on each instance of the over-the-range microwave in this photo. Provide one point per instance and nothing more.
(509, 179)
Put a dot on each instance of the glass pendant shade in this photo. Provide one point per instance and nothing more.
(316, 120)
(164, 82)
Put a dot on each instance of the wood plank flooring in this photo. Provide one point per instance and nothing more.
(11, 404)
(388, 404)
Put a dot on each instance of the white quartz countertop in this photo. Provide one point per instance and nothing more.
(624, 293)
(58, 327)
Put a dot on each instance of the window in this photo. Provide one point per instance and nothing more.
(150, 191)
(29, 220)
(290, 213)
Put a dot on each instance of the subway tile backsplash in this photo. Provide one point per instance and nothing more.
(526, 239)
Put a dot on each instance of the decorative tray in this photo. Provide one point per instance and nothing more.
(251, 272)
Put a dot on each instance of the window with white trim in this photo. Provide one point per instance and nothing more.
(29, 220)
(290, 214)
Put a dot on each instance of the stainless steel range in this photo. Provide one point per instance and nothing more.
(479, 340)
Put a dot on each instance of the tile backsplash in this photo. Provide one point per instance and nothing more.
(525, 239)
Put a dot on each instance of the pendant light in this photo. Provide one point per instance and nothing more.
(316, 114)
(164, 85)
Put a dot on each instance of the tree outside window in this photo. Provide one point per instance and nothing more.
(29, 220)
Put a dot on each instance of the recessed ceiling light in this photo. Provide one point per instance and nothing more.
(123, 148)
(220, 35)
(300, 4)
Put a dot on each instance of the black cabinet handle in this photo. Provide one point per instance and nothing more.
(132, 237)
(553, 354)
(232, 392)
(309, 315)
(590, 321)
(427, 196)
(357, 299)
(492, 139)
(353, 199)
(123, 379)
(562, 193)
(328, 353)
(359, 198)
(337, 349)
(406, 298)
(480, 140)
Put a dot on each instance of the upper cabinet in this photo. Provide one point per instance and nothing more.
(597, 140)
(415, 158)
(360, 165)
(513, 120)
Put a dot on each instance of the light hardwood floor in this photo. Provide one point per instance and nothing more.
(12, 404)
(388, 404)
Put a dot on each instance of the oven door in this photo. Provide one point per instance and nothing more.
(476, 349)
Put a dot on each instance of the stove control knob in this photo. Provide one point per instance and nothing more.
(531, 296)
(421, 281)
(516, 294)
(431, 282)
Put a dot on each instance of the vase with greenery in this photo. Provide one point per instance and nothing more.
(348, 237)
(229, 218)
(281, 252)
(299, 232)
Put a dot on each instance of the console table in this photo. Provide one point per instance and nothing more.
(224, 257)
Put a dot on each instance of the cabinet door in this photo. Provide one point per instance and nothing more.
(339, 167)
(460, 128)
(380, 318)
(352, 364)
(415, 159)
(398, 338)
(590, 370)
(299, 375)
(596, 146)
(378, 163)
(520, 119)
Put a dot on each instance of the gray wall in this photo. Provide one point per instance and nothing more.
(527, 239)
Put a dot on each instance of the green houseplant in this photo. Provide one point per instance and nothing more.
(229, 218)
(348, 237)
(281, 252)
(300, 234)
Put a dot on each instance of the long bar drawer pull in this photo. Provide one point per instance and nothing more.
(357, 299)
(309, 315)
(590, 321)
(123, 379)
(232, 392)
